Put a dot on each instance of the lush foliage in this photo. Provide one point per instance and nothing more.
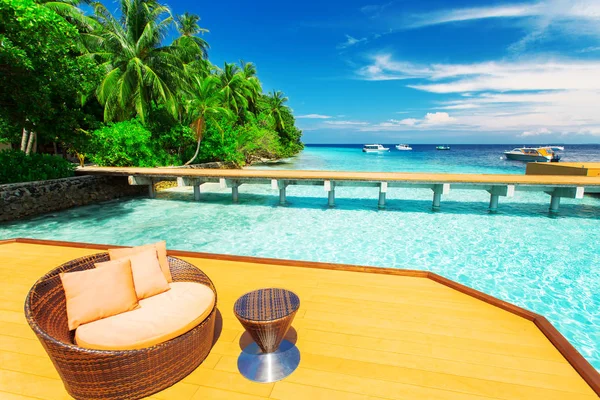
(16, 166)
(42, 79)
(111, 90)
(126, 144)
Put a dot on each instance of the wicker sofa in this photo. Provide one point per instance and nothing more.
(127, 374)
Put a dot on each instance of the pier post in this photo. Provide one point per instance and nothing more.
(568, 192)
(497, 191)
(282, 199)
(330, 189)
(151, 191)
(438, 190)
(197, 192)
(494, 203)
(554, 204)
(437, 198)
(141, 181)
(382, 193)
(234, 191)
(282, 185)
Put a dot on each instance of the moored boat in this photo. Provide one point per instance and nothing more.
(403, 147)
(539, 154)
(374, 148)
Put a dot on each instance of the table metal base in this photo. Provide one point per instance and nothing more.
(268, 367)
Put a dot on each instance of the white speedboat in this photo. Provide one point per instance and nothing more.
(374, 148)
(403, 147)
(543, 154)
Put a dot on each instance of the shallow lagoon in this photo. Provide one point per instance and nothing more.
(550, 265)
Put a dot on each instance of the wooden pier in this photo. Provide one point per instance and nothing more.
(497, 185)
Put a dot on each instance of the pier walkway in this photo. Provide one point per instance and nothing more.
(497, 185)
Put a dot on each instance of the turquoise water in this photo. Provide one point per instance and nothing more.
(550, 265)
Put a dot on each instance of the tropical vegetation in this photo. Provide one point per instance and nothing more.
(16, 166)
(107, 88)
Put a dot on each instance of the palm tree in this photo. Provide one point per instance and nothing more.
(69, 10)
(190, 48)
(205, 104)
(139, 70)
(275, 103)
(192, 45)
(234, 88)
(253, 88)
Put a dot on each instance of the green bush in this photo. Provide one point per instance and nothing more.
(127, 144)
(219, 143)
(256, 142)
(15, 166)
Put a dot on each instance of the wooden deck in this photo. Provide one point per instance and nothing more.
(361, 335)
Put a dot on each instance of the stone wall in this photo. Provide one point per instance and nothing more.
(19, 200)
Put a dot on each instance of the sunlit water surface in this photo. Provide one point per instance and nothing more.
(550, 265)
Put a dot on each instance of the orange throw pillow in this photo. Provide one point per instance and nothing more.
(98, 293)
(161, 250)
(148, 278)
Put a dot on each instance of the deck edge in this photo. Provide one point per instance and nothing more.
(587, 372)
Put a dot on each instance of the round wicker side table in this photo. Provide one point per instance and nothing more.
(267, 315)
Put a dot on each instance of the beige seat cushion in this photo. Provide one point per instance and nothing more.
(158, 319)
(161, 250)
(98, 293)
(148, 277)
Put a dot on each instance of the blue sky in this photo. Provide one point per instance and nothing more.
(421, 71)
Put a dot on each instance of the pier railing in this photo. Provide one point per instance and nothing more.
(497, 185)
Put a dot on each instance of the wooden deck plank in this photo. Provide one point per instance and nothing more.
(204, 393)
(181, 391)
(365, 336)
(12, 396)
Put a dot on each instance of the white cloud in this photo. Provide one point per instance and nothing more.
(524, 76)
(438, 118)
(375, 10)
(346, 123)
(405, 121)
(590, 49)
(477, 77)
(351, 41)
(511, 97)
(469, 14)
(542, 19)
(428, 121)
(384, 68)
(462, 106)
(314, 116)
(537, 132)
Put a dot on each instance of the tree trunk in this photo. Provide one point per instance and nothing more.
(32, 136)
(196, 153)
(55, 148)
(24, 138)
(198, 126)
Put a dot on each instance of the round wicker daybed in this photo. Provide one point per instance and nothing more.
(127, 374)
